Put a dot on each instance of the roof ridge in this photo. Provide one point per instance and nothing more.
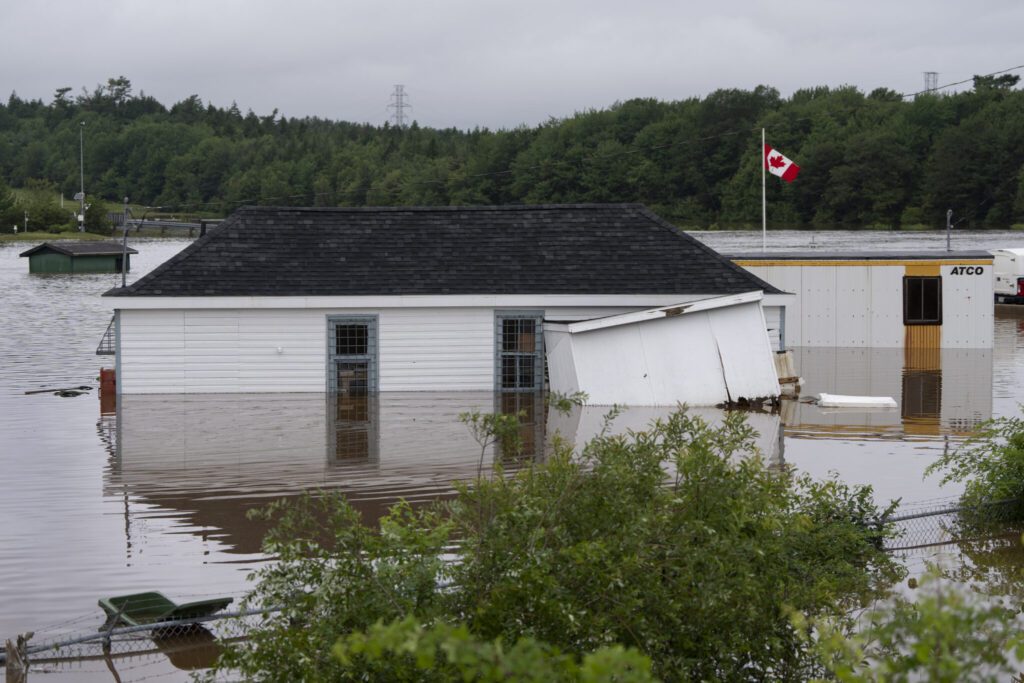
(446, 209)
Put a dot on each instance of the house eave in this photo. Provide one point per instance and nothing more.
(402, 301)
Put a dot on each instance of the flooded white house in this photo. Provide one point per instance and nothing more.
(354, 300)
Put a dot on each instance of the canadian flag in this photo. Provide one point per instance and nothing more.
(779, 165)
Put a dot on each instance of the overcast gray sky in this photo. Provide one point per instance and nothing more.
(468, 63)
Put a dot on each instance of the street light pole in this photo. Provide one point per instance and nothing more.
(949, 228)
(81, 174)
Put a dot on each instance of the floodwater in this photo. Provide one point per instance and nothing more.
(152, 494)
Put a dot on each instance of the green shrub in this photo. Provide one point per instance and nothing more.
(991, 466)
(405, 650)
(945, 635)
(673, 543)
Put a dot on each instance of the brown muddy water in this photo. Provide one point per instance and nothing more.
(154, 495)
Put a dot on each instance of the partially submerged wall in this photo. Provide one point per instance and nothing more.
(698, 356)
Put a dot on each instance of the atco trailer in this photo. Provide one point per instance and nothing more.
(882, 299)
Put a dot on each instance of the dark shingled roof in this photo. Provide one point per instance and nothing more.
(568, 249)
(94, 248)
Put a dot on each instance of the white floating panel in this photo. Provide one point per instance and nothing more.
(841, 401)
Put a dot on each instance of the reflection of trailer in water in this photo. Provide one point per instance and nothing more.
(939, 391)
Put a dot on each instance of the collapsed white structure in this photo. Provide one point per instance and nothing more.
(701, 353)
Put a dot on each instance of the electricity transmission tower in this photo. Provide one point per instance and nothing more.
(931, 81)
(399, 104)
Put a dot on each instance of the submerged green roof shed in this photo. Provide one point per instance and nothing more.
(78, 257)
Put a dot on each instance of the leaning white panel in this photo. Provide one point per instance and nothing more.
(700, 353)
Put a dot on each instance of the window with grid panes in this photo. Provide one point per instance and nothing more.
(520, 351)
(352, 355)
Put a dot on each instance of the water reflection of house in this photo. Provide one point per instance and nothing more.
(400, 299)
(940, 391)
(581, 424)
(210, 459)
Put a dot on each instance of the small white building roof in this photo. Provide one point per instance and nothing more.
(707, 304)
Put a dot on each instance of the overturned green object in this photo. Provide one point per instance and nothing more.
(138, 609)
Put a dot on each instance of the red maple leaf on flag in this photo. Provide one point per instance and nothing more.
(776, 163)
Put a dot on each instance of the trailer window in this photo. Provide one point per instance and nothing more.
(922, 300)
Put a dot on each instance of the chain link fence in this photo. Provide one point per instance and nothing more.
(128, 652)
(935, 523)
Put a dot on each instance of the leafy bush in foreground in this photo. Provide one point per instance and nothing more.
(454, 652)
(669, 545)
(991, 465)
(946, 635)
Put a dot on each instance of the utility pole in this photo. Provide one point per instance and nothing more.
(931, 81)
(949, 228)
(399, 104)
(124, 245)
(81, 174)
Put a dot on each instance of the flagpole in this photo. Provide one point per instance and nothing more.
(764, 201)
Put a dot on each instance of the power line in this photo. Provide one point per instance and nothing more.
(966, 80)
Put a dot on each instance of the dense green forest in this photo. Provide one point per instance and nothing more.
(879, 159)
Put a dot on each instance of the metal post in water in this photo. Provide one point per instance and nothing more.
(949, 228)
(81, 174)
(16, 661)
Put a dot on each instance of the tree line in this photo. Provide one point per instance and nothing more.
(867, 160)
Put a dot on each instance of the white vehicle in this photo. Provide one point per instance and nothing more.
(1009, 271)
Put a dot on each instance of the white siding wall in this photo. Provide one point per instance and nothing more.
(886, 286)
(301, 365)
(172, 351)
(437, 349)
(967, 308)
(152, 352)
(203, 351)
